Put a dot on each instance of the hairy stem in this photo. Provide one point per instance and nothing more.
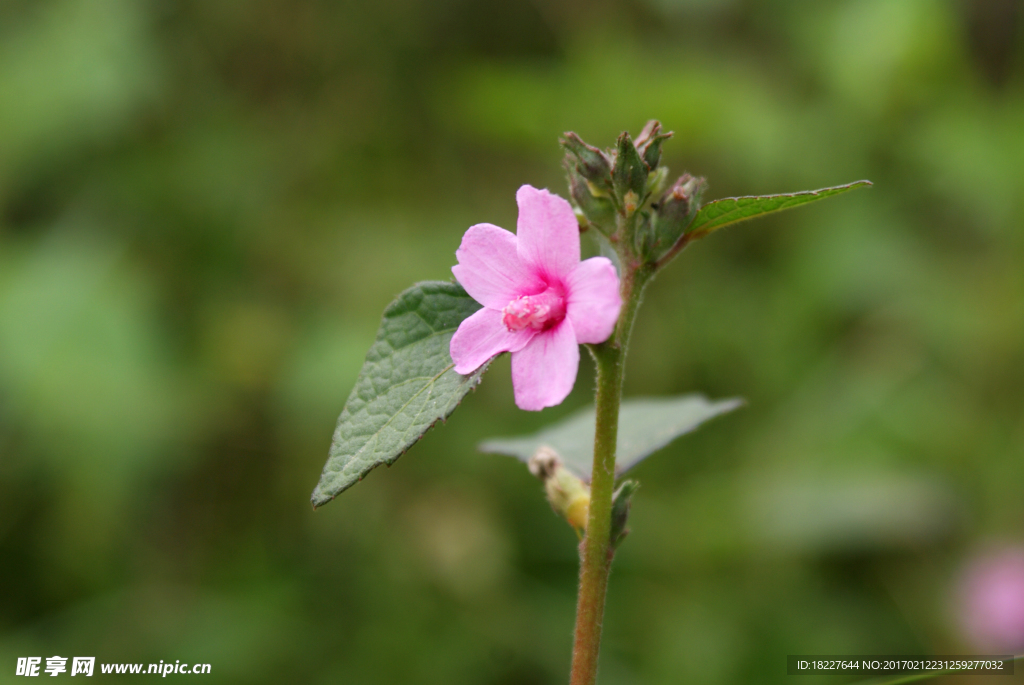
(595, 550)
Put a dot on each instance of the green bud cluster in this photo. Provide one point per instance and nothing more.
(622, 193)
(670, 216)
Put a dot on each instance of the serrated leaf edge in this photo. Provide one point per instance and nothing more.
(474, 381)
(699, 228)
(476, 377)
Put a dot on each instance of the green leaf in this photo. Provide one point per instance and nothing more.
(407, 384)
(645, 426)
(729, 210)
(622, 500)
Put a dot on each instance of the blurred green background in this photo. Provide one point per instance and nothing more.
(205, 206)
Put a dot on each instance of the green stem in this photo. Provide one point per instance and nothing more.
(595, 550)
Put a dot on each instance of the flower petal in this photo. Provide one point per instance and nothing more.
(593, 300)
(548, 232)
(481, 336)
(490, 268)
(544, 371)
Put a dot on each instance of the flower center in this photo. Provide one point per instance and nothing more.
(539, 312)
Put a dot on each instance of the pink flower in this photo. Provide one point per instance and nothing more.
(540, 301)
(992, 600)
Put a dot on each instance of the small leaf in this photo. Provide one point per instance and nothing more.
(598, 211)
(648, 143)
(645, 426)
(622, 500)
(729, 210)
(407, 384)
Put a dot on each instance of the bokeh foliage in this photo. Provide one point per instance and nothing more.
(205, 206)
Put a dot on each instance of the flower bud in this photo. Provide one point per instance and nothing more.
(569, 496)
(629, 202)
(630, 171)
(598, 210)
(544, 463)
(673, 213)
(591, 163)
(644, 238)
(682, 201)
(657, 180)
(648, 143)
